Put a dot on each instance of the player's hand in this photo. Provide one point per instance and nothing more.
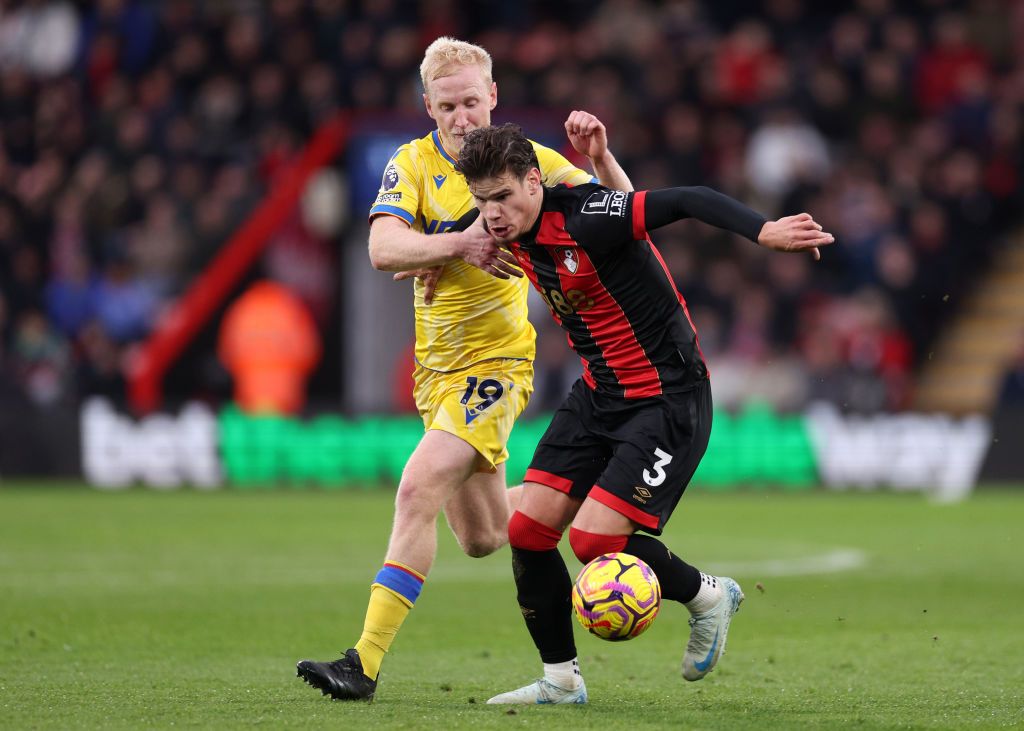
(797, 233)
(587, 134)
(428, 276)
(480, 249)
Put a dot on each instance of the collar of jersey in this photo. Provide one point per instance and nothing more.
(436, 137)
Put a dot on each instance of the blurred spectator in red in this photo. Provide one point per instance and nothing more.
(744, 58)
(950, 58)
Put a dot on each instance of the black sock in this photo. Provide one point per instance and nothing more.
(545, 598)
(679, 580)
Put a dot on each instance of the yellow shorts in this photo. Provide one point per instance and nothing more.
(478, 404)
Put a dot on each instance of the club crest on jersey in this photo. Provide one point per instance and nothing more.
(570, 259)
(390, 179)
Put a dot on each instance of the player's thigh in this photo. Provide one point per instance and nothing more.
(439, 465)
(659, 449)
(479, 405)
(552, 507)
(596, 517)
(570, 454)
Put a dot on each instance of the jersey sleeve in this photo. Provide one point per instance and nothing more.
(466, 220)
(555, 169)
(602, 219)
(656, 208)
(399, 187)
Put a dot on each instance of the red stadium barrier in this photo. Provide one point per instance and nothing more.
(148, 365)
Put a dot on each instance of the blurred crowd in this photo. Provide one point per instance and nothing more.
(135, 137)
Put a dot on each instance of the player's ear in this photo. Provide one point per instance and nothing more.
(426, 103)
(533, 180)
(494, 95)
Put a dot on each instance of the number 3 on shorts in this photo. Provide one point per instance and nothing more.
(659, 468)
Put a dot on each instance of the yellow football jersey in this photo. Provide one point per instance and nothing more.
(474, 316)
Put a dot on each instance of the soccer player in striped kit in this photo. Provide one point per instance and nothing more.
(624, 444)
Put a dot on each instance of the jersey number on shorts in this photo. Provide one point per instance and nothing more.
(488, 390)
(659, 468)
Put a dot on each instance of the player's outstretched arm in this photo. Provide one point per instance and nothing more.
(792, 233)
(589, 137)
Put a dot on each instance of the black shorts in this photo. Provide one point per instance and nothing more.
(635, 456)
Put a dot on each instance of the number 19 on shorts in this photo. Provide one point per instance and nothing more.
(480, 395)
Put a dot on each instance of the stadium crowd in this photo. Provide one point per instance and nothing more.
(136, 136)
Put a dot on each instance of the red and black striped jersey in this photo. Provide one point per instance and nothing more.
(607, 285)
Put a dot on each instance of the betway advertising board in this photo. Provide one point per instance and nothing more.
(755, 448)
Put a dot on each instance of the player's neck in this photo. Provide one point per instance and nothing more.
(447, 145)
(536, 213)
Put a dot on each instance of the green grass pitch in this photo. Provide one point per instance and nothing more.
(189, 609)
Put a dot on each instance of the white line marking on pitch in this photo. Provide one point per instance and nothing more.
(267, 573)
(841, 559)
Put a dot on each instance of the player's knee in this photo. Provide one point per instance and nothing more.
(482, 540)
(483, 545)
(588, 546)
(527, 534)
(477, 549)
(417, 498)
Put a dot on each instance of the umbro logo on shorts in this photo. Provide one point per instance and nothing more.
(641, 494)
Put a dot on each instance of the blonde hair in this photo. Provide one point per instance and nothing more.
(444, 54)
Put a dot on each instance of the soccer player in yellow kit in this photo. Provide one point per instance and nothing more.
(474, 346)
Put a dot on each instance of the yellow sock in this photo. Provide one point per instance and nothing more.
(391, 597)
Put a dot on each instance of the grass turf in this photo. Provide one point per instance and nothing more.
(144, 609)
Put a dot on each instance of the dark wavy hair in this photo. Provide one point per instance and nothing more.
(490, 152)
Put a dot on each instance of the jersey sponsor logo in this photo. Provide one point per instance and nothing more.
(606, 202)
(570, 259)
(439, 180)
(390, 179)
(389, 197)
(437, 227)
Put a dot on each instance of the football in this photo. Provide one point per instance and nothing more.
(616, 597)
